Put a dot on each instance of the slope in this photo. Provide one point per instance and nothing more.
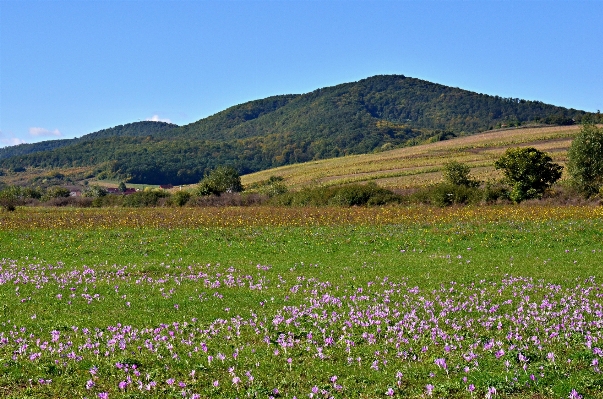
(353, 118)
(143, 128)
(417, 166)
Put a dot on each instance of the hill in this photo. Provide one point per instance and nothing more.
(412, 167)
(136, 129)
(370, 115)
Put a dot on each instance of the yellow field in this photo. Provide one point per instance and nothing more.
(420, 165)
(228, 217)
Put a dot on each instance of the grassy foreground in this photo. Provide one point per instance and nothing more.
(273, 302)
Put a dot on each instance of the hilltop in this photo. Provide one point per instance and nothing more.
(136, 129)
(371, 115)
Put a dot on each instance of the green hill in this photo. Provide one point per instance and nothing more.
(144, 128)
(372, 114)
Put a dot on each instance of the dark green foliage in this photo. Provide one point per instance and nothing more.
(180, 198)
(446, 194)
(352, 195)
(529, 172)
(585, 159)
(457, 174)
(351, 118)
(55, 192)
(144, 128)
(272, 187)
(94, 191)
(10, 198)
(223, 179)
(495, 191)
(144, 198)
(122, 186)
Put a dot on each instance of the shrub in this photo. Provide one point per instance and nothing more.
(94, 191)
(55, 192)
(223, 179)
(585, 160)
(228, 199)
(529, 172)
(272, 187)
(495, 191)
(180, 198)
(457, 173)
(145, 198)
(446, 194)
(352, 195)
(9, 198)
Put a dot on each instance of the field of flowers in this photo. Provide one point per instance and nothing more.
(306, 303)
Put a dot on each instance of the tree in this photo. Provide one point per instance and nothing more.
(94, 191)
(529, 172)
(122, 187)
(457, 174)
(9, 198)
(223, 179)
(585, 159)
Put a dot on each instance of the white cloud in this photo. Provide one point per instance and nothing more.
(40, 132)
(10, 140)
(155, 118)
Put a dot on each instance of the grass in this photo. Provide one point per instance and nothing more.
(329, 302)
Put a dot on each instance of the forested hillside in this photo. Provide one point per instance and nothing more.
(376, 113)
(144, 128)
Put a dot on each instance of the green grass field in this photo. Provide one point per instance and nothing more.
(271, 302)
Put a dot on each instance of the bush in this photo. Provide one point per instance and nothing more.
(272, 187)
(80, 202)
(94, 191)
(55, 192)
(457, 173)
(446, 194)
(180, 198)
(495, 191)
(529, 172)
(145, 198)
(352, 195)
(585, 160)
(223, 179)
(10, 198)
(228, 199)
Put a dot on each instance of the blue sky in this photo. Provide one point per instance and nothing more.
(68, 68)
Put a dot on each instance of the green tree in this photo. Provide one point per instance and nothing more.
(457, 173)
(55, 192)
(529, 172)
(180, 198)
(95, 191)
(585, 159)
(122, 187)
(10, 198)
(223, 179)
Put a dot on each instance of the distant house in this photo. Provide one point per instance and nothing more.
(166, 186)
(129, 191)
(75, 193)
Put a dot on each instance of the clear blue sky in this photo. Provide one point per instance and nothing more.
(68, 68)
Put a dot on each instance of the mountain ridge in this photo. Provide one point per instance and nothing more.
(349, 118)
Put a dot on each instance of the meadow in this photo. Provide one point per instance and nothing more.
(500, 301)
